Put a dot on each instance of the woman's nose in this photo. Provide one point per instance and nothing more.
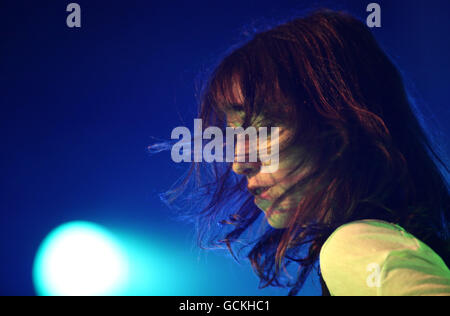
(246, 168)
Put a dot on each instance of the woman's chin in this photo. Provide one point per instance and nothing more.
(263, 205)
(275, 219)
(278, 221)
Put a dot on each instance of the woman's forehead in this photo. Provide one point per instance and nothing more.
(228, 93)
(229, 96)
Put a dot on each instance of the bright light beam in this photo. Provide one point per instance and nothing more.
(80, 258)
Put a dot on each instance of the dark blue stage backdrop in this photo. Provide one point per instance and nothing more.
(79, 106)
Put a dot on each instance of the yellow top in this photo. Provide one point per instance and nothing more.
(376, 258)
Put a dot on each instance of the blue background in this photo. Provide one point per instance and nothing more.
(80, 106)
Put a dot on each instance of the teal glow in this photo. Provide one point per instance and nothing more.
(83, 258)
(80, 258)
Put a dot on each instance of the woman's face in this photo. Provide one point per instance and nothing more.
(268, 187)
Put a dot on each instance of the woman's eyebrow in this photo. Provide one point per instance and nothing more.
(235, 105)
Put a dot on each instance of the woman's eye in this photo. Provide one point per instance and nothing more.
(234, 125)
(237, 108)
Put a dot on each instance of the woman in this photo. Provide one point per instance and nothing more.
(359, 193)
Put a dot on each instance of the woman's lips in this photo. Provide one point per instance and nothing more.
(264, 205)
(265, 195)
(260, 192)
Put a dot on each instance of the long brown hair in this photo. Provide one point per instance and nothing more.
(326, 75)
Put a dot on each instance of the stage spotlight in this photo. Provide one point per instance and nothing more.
(80, 258)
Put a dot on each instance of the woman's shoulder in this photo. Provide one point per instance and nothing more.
(373, 257)
(375, 234)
